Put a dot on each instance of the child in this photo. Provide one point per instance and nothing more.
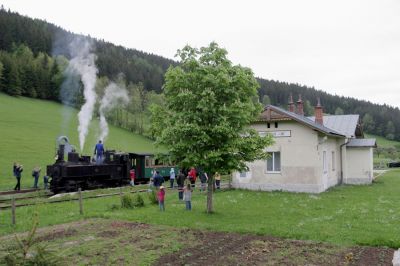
(161, 196)
(187, 197)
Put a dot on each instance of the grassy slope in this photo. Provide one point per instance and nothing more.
(29, 128)
(345, 215)
(382, 142)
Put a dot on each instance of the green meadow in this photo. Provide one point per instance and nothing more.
(344, 215)
(29, 129)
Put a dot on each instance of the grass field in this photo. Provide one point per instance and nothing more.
(29, 128)
(382, 142)
(344, 215)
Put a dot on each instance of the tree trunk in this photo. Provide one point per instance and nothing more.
(210, 194)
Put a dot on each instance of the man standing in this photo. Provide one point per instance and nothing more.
(18, 171)
(98, 151)
(181, 182)
(35, 174)
(158, 180)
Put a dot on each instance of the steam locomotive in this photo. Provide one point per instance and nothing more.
(81, 172)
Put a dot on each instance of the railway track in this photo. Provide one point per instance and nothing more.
(22, 191)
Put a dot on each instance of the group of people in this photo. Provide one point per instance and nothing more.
(17, 172)
(186, 193)
(186, 181)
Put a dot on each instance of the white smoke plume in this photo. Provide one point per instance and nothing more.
(113, 96)
(83, 63)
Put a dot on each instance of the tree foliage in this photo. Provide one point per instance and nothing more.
(209, 107)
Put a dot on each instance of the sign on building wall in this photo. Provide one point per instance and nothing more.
(276, 134)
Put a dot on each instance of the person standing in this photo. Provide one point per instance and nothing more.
(187, 197)
(158, 180)
(172, 177)
(132, 175)
(180, 180)
(18, 171)
(217, 180)
(35, 175)
(192, 176)
(203, 180)
(46, 181)
(161, 198)
(15, 169)
(99, 151)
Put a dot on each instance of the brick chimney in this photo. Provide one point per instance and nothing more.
(300, 110)
(319, 117)
(291, 104)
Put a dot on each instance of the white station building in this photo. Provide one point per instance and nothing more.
(310, 154)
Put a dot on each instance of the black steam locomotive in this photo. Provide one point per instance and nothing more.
(80, 172)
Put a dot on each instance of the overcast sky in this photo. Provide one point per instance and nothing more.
(343, 47)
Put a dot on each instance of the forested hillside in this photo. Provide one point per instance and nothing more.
(33, 55)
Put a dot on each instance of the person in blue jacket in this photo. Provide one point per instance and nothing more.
(99, 151)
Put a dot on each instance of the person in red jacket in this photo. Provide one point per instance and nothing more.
(192, 176)
(132, 176)
(161, 197)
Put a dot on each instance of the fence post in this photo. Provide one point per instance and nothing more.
(13, 210)
(80, 201)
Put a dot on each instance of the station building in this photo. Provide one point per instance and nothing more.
(310, 154)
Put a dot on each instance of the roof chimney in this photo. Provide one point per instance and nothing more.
(291, 104)
(319, 118)
(300, 110)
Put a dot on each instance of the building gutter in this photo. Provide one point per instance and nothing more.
(341, 160)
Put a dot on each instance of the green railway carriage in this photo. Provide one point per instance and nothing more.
(145, 163)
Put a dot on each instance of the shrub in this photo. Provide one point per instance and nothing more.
(23, 252)
(138, 200)
(153, 197)
(127, 202)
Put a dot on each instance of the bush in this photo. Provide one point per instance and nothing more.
(28, 252)
(138, 200)
(127, 202)
(153, 197)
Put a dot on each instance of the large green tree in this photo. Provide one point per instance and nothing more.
(206, 118)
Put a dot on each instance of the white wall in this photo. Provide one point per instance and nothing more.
(301, 161)
(359, 165)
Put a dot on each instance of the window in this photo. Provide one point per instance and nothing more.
(276, 124)
(274, 162)
(324, 166)
(243, 174)
(333, 161)
(268, 125)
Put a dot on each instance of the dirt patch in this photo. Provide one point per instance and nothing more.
(107, 242)
(243, 249)
(129, 225)
(56, 234)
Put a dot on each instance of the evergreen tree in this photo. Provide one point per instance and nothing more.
(339, 111)
(390, 130)
(368, 123)
(1, 75)
(266, 100)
